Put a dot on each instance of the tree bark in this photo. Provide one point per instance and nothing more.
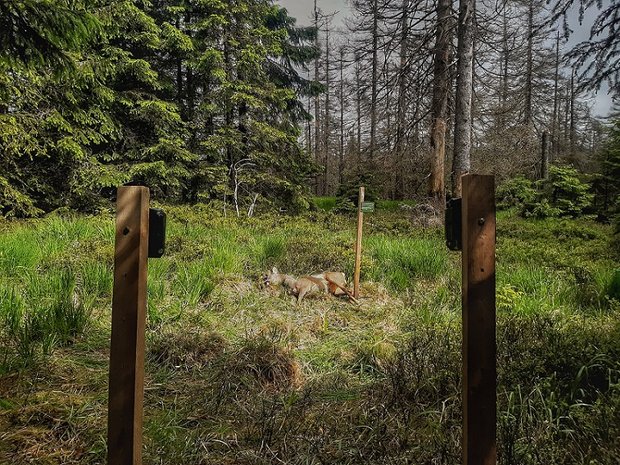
(374, 77)
(462, 130)
(326, 122)
(571, 134)
(556, 117)
(527, 112)
(358, 107)
(544, 161)
(316, 97)
(441, 88)
(341, 151)
(401, 123)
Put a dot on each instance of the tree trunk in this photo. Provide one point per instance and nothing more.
(544, 161)
(571, 134)
(504, 73)
(441, 88)
(527, 113)
(316, 98)
(341, 152)
(462, 129)
(358, 105)
(374, 77)
(326, 130)
(401, 123)
(556, 117)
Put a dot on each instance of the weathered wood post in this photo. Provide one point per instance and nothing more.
(358, 244)
(126, 388)
(479, 349)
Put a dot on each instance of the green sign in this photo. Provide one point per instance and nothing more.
(368, 207)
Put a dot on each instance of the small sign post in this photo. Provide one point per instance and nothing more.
(358, 243)
(479, 345)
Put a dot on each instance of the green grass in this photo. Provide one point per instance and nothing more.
(239, 374)
(398, 262)
(325, 203)
(329, 203)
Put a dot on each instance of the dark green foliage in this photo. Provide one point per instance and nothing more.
(613, 288)
(348, 192)
(563, 194)
(43, 32)
(607, 183)
(515, 192)
(566, 191)
(197, 101)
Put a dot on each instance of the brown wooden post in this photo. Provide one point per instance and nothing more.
(358, 245)
(479, 351)
(126, 388)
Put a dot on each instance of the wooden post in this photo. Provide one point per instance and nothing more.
(126, 388)
(358, 245)
(479, 351)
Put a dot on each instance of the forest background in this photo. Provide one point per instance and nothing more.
(233, 103)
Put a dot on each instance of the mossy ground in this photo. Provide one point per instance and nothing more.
(240, 374)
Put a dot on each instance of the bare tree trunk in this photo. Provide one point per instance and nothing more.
(358, 104)
(462, 130)
(341, 153)
(326, 131)
(544, 161)
(374, 77)
(309, 128)
(556, 117)
(504, 72)
(316, 97)
(571, 134)
(401, 124)
(441, 88)
(527, 113)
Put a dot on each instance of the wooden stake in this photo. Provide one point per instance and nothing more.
(128, 320)
(358, 245)
(479, 351)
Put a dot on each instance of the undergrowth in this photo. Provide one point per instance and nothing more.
(238, 374)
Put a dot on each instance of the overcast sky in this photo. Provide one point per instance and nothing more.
(302, 10)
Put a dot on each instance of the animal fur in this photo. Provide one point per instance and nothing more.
(333, 282)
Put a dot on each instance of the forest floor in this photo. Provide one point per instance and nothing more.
(239, 374)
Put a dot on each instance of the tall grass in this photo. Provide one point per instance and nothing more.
(46, 312)
(194, 282)
(19, 251)
(325, 203)
(399, 262)
(96, 279)
(270, 250)
(390, 366)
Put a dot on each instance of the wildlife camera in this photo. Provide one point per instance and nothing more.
(454, 241)
(157, 232)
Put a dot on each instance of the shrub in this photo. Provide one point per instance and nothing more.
(348, 193)
(515, 192)
(567, 192)
(563, 194)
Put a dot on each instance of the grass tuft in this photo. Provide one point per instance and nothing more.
(399, 262)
